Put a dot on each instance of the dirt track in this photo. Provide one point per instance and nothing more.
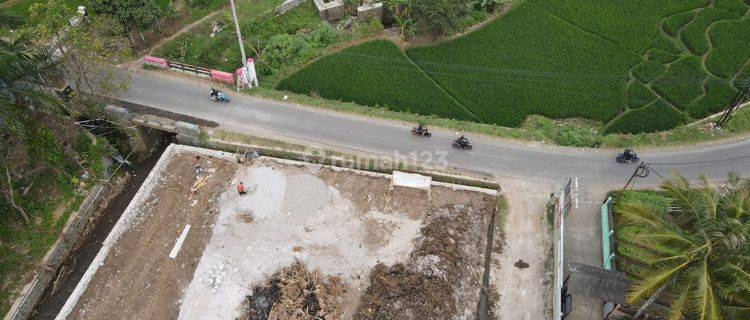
(138, 280)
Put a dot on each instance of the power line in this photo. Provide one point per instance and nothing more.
(700, 162)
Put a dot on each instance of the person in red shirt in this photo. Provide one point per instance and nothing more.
(241, 189)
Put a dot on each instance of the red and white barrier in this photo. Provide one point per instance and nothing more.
(156, 62)
(222, 76)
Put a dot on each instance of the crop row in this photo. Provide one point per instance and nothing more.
(638, 95)
(628, 23)
(729, 51)
(681, 83)
(672, 24)
(504, 71)
(656, 116)
(374, 73)
(719, 93)
(694, 34)
(733, 6)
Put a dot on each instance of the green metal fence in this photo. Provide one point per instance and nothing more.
(607, 254)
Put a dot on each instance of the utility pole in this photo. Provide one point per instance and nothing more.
(245, 68)
(738, 99)
(641, 171)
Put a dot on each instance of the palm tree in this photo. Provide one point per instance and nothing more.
(698, 250)
(25, 73)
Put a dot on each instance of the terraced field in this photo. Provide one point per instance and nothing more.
(636, 66)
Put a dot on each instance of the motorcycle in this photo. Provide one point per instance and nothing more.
(627, 157)
(220, 97)
(462, 144)
(421, 131)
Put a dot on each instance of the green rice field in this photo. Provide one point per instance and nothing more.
(635, 66)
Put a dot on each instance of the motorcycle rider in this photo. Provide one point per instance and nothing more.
(463, 141)
(214, 93)
(421, 128)
(629, 154)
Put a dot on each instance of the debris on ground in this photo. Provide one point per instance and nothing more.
(441, 275)
(296, 293)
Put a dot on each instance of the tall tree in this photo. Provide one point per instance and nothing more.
(90, 49)
(132, 14)
(699, 251)
(438, 16)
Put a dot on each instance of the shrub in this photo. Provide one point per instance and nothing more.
(661, 55)
(648, 70)
(286, 49)
(374, 73)
(681, 83)
(673, 23)
(657, 116)
(733, 6)
(639, 95)
(369, 27)
(577, 136)
(324, 35)
(652, 198)
(719, 93)
(694, 34)
(729, 53)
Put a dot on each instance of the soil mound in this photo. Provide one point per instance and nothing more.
(296, 293)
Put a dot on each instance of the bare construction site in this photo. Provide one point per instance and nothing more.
(306, 241)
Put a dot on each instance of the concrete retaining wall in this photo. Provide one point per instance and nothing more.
(47, 271)
(128, 217)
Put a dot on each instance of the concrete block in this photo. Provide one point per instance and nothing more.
(370, 10)
(288, 5)
(188, 140)
(186, 128)
(118, 113)
(330, 11)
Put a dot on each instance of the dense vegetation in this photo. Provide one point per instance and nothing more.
(579, 58)
(690, 241)
(47, 163)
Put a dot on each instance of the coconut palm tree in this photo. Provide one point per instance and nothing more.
(25, 73)
(699, 249)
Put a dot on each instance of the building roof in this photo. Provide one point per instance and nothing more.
(597, 283)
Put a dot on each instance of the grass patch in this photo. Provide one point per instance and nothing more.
(280, 41)
(681, 83)
(656, 116)
(729, 53)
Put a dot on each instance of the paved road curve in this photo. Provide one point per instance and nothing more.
(531, 161)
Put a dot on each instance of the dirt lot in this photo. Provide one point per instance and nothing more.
(138, 280)
(521, 262)
(307, 240)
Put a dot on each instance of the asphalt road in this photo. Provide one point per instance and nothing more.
(506, 158)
